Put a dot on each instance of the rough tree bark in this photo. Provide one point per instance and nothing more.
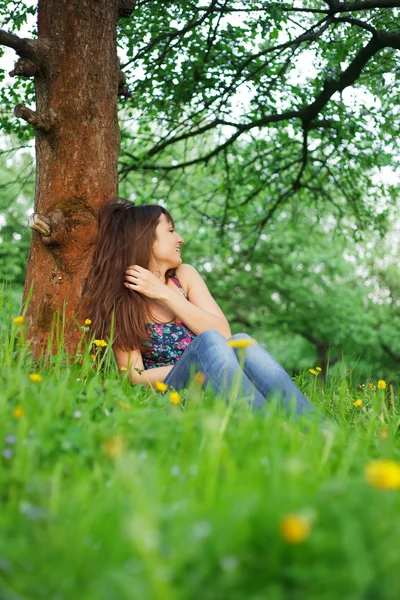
(77, 74)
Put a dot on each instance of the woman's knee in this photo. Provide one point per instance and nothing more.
(213, 345)
(211, 336)
(241, 336)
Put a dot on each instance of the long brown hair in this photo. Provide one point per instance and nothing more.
(126, 236)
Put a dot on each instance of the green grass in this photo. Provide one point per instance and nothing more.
(148, 500)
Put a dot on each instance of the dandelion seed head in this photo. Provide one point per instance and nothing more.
(229, 563)
(201, 529)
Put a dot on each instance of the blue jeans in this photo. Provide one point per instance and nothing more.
(261, 374)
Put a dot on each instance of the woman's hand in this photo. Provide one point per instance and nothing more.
(143, 281)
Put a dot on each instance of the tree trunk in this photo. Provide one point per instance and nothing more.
(76, 156)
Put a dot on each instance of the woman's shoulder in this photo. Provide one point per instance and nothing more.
(184, 274)
(184, 270)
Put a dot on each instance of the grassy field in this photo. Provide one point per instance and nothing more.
(114, 492)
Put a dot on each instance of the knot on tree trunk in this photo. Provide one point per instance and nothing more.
(69, 235)
(24, 68)
(123, 89)
(126, 8)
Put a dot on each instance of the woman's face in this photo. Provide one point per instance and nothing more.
(166, 246)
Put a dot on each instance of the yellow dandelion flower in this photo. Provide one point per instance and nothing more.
(174, 398)
(161, 387)
(294, 528)
(358, 403)
(93, 357)
(101, 343)
(383, 474)
(372, 387)
(381, 384)
(313, 371)
(240, 343)
(18, 412)
(199, 378)
(318, 369)
(114, 447)
(18, 320)
(88, 322)
(125, 405)
(35, 377)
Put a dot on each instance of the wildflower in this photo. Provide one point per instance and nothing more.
(7, 453)
(77, 414)
(124, 405)
(381, 384)
(358, 403)
(294, 528)
(114, 447)
(199, 378)
(240, 343)
(383, 474)
(372, 387)
(87, 322)
(174, 397)
(161, 387)
(318, 369)
(313, 371)
(35, 377)
(101, 343)
(18, 320)
(123, 369)
(18, 412)
(93, 357)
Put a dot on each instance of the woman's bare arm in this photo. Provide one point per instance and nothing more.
(201, 312)
(133, 360)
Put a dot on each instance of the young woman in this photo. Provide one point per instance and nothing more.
(164, 322)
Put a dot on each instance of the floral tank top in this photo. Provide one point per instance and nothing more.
(167, 341)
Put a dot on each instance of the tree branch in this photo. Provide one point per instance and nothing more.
(266, 8)
(357, 23)
(22, 46)
(335, 6)
(338, 6)
(171, 34)
(347, 78)
(307, 114)
(311, 35)
(33, 118)
(40, 223)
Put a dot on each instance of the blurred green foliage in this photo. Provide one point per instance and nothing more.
(16, 201)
